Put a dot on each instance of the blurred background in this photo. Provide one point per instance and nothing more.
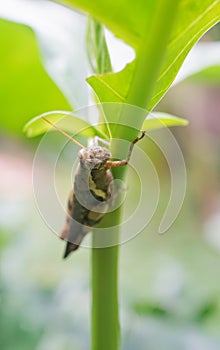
(169, 284)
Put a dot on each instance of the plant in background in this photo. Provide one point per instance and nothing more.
(162, 33)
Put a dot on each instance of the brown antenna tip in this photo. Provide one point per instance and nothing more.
(63, 132)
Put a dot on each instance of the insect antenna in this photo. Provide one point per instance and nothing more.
(63, 132)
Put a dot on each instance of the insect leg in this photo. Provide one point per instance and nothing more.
(123, 162)
(98, 139)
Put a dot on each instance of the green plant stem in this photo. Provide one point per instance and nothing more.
(105, 323)
(152, 52)
(105, 317)
(105, 313)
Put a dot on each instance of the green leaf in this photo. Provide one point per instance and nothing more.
(66, 121)
(99, 59)
(125, 19)
(210, 75)
(159, 120)
(97, 48)
(193, 20)
(113, 87)
(25, 88)
(155, 120)
(202, 64)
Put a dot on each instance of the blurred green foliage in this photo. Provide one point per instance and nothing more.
(210, 75)
(25, 88)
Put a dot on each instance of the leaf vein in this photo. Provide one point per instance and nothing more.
(111, 89)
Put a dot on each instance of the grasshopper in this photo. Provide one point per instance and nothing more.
(92, 189)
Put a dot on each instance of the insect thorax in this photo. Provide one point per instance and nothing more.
(94, 157)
